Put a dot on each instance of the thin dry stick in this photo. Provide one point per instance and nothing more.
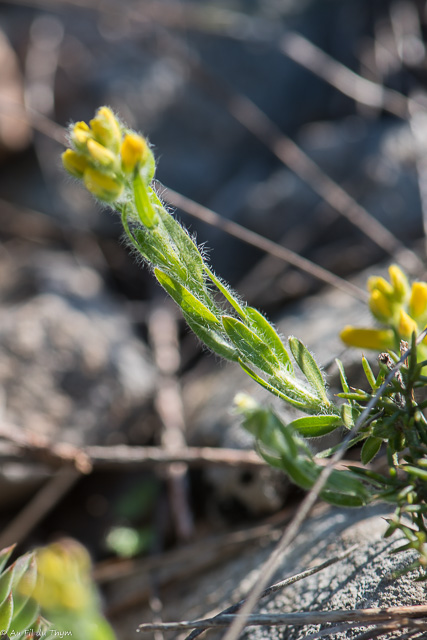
(362, 616)
(120, 456)
(39, 506)
(268, 246)
(163, 334)
(268, 569)
(363, 91)
(279, 586)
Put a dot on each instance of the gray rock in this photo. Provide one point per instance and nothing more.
(71, 367)
(364, 579)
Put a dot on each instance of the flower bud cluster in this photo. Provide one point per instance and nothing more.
(398, 307)
(107, 156)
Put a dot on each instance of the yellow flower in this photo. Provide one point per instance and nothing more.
(101, 185)
(407, 325)
(80, 134)
(418, 300)
(377, 339)
(75, 163)
(106, 129)
(63, 577)
(134, 150)
(380, 306)
(399, 283)
(101, 154)
(377, 282)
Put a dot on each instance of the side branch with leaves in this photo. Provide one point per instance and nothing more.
(117, 166)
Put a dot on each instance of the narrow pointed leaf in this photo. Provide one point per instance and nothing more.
(6, 613)
(213, 340)
(21, 565)
(250, 346)
(368, 373)
(6, 583)
(309, 367)
(185, 247)
(227, 293)
(316, 426)
(26, 617)
(189, 304)
(25, 587)
(343, 377)
(146, 211)
(370, 449)
(270, 387)
(5, 555)
(267, 333)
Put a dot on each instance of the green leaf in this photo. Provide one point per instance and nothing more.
(213, 340)
(6, 613)
(21, 565)
(152, 247)
(146, 211)
(250, 346)
(343, 377)
(369, 373)
(415, 471)
(370, 449)
(269, 387)
(316, 426)
(227, 293)
(185, 247)
(309, 367)
(342, 499)
(5, 555)
(189, 304)
(267, 333)
(6, 583)
(26, 617)
(349, 415)
(25, 587)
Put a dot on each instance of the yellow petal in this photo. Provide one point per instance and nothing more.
(102, 186)
(377, 282)
(399, 283)
(380, 306)
(75, 163)
(80, 134)
(377, 339)
(106, 129)
(101, 154)
(133, 151)
(418, 299)
(407, 325)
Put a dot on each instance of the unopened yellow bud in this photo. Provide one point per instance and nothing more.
(75, 163)
(418, 300)
(101, 154)
(407, 325)
(378, 339)
(380, 306)
(101, 185)
(377, 282)
(106, 129)
(399, 283)
(133, 151)
(80, 134)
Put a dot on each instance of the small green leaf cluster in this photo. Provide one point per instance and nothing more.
(19, 611)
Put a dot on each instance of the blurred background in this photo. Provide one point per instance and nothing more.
(303, 121)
